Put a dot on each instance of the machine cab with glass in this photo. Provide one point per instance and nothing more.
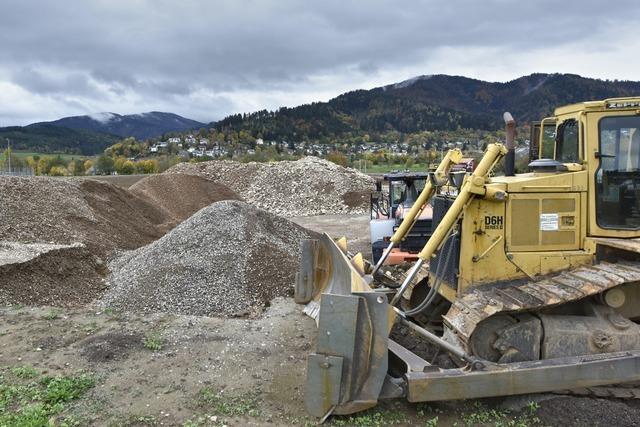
(388, 207)
(601, 138)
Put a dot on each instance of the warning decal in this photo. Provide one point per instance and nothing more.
(549, 222)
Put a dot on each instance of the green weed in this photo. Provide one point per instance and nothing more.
(484, 416)
(26, 400)
(373, 418)
(52, 314)
(231, 406)
(433, 422)
(24, 372)
(153, 341)
(91, 327)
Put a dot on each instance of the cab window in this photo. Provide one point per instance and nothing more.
(548, 139)
(567, 142)
(397, 192)
(618, 175)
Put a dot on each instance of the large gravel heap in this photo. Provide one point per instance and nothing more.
(49, 274)
(64, 211)
(181, 195)
(309, 186)
(228, 259)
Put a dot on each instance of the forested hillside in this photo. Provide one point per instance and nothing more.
(426, 103)
(47, 138)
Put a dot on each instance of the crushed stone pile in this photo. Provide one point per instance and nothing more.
(228, 259)
(49, 274)
(67, 210)
(309, 186)
(181, 195)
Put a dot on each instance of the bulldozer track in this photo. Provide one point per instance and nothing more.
(483, 302)
(469, 310)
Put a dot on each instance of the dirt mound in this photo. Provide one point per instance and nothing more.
(111, 346)
(309, 186)
(228, 259)
(57, 275)
(182, 195)
(122, 220)
(102, 216)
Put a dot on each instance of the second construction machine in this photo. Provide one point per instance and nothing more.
(530, 282)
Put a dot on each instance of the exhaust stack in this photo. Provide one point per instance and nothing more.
(510, 158)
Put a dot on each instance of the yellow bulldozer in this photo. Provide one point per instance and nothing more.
(529, 282)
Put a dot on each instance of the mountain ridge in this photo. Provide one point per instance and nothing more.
(424, 103)
(427, 103)
(91, 134)
(140, 126)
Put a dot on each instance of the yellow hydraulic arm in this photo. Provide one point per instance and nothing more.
(452, 157)
(473, 185)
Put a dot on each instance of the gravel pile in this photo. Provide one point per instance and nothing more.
(181, 195)
(309, 186)
(228, 259)
(45, 274)
(64, 211)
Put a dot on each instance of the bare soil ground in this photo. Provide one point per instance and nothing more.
(171, 370)
(167, 369)
(177, 370)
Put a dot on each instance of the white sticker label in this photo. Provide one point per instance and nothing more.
(549, 222)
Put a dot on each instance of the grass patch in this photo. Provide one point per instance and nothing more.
(385, 167)
(52, 314)
(25, 154)
(24, 372)
(219, 404)
(204, 421)
(484, 416)
(28, 398)
(91, 327)
(153, 341)
(140, 420)
(372, 417)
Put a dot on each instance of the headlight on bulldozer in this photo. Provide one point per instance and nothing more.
(495, 194)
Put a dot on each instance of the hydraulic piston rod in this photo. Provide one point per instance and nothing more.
(473, 185)
(452, 157)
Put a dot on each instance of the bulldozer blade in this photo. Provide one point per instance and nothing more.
(347, 371)
(326, 268)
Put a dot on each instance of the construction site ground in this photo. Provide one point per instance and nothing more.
(90, 364)
(163, 369)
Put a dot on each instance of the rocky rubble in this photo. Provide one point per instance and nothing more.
(228, 259)
(309, 186)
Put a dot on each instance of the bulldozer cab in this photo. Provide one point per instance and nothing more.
(404, 188)
(388, 209)
(602, 140)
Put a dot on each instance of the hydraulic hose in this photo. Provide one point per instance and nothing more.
(433, 291)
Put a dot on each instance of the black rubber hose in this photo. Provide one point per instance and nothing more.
(436, 286)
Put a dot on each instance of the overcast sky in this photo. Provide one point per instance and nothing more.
(206, 59)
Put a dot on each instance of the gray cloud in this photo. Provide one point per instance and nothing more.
(206, 59)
